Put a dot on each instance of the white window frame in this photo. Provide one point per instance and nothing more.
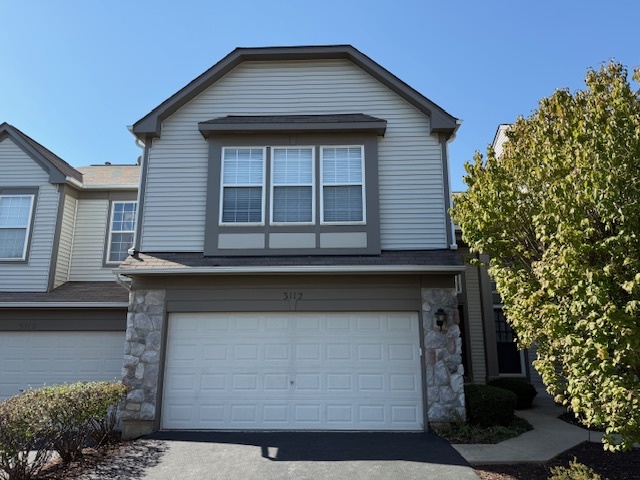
(362, 184)
(312, 184)
(27, 228)
(111, 231)
(222, 187)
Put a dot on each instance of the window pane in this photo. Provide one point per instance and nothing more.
(342, 165)
(243, 166)
(120, 243)
(14, 210)
(12, 242)
(343, 204)
(122, 226)
(292, 204)
(124, 216)
(242, 205)
(292, 166)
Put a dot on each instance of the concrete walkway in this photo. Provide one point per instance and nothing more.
(550, 437)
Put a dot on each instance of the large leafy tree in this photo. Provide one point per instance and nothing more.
(559, 214)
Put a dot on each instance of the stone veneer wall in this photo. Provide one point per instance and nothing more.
(145, 323)
(443, 356)
(141, 370)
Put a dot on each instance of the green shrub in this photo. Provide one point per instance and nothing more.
(462, 432)
(575, 471)
(60, 418)
(77, 410)
(523, 390)
(488, 406)
(24, 428)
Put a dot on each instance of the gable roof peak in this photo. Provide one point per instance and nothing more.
(150, 125)
(57, 168)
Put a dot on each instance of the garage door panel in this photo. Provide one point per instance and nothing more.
(39, 358)
(293, 371)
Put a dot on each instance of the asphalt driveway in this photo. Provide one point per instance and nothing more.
(287, 455)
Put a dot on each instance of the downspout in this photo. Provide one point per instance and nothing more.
(451, 233)
(141, 185)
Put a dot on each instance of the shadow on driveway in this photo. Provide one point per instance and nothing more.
(284, 456)
(331, 446)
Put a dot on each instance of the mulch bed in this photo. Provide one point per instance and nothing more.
(91, 458)
(613, 466)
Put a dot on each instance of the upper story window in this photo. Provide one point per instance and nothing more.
(121, 229)
(15, 222)
(242, 192)
(292, 185)
(342, 184)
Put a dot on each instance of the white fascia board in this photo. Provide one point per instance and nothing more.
(297, 269)
(64, 305)
(111, 187)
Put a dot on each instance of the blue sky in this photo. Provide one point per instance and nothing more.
(74, 74)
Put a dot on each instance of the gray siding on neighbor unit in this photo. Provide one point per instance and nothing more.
(476, 328)
(19, 170)
(66, 240)
(412, 207)
(87, 258)
(62, 319)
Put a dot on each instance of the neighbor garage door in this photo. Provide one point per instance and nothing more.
(321, 371)
(38, 358)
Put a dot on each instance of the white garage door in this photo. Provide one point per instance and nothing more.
(38, 358)
(321, 371)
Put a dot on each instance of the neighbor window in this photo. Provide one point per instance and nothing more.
(242, 191)
(292, 185)
(342, 184)
(123, 219)
(15, 221)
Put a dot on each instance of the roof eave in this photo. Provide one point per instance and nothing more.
(207, 130)
(292, 269)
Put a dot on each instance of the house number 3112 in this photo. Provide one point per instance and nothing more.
(292, 296)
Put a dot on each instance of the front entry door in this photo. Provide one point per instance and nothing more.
(510, 359)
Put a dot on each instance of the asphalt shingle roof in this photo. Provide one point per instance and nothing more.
(335, 118)
(99, 175)
(194, 260)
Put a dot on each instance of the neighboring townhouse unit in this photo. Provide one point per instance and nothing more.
(491, 351)
(62, 232)
(294, 265)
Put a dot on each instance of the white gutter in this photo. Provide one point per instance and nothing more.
(74, 182)
(64, 304)
(111, 187)
(297, 269)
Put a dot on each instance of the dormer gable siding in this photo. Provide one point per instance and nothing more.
(21, 173)
(410, 174)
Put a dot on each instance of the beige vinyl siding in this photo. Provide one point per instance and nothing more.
(20, 170)
(87, 258)
(66, 240)
(476, 330)
(412, 207)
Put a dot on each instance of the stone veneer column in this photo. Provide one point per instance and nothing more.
(145, 321)
(443, 356)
